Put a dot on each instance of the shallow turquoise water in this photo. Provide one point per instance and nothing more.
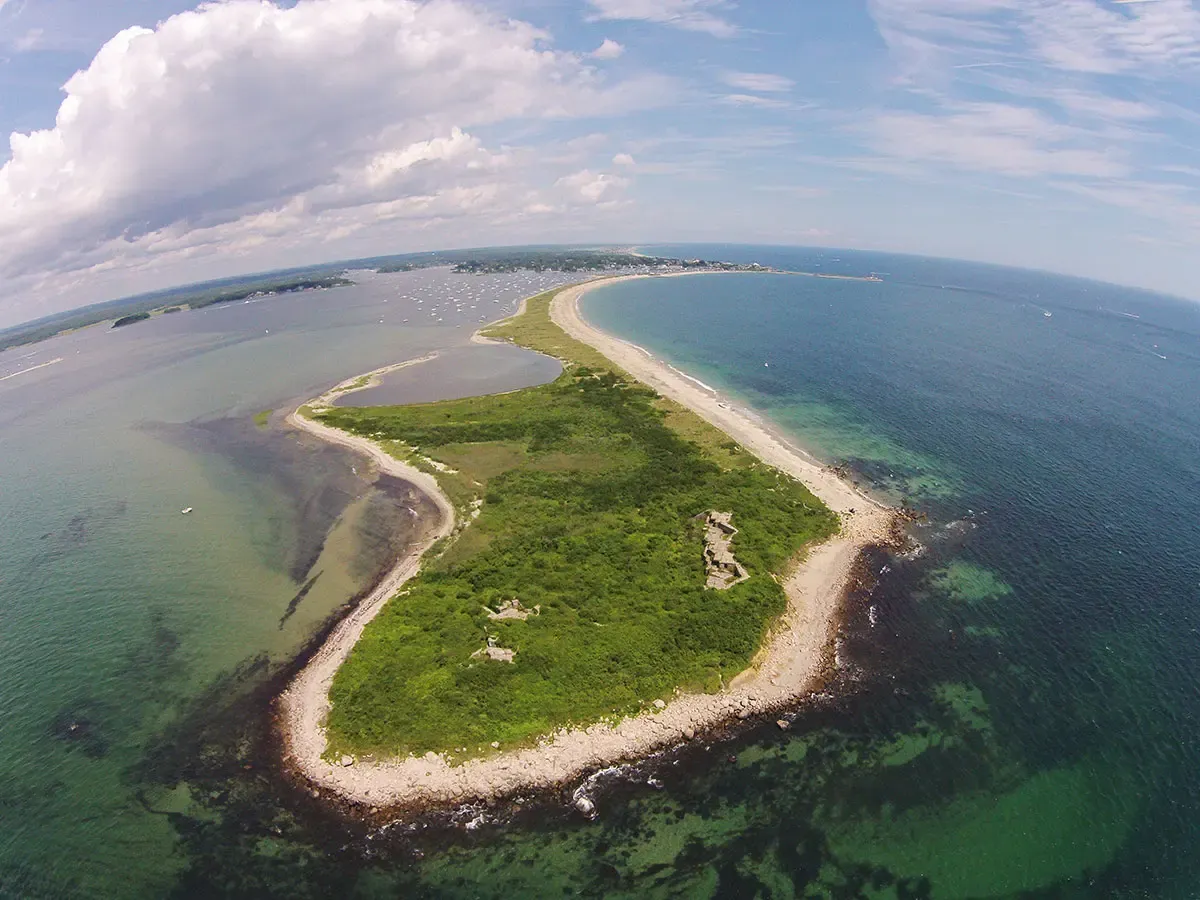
(1016, 708)
(1041, 657)
(118, 612)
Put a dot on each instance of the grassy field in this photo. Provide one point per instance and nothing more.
(587, 492)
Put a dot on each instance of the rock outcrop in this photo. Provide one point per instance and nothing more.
(494, 652)
(723, 570)
(512, 609)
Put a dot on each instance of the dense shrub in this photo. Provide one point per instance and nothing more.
(591, 496)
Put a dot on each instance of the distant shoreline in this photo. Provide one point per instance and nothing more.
(788, 667)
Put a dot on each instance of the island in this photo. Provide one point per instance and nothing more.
(266, 288)
(588, 261)
(129, 310)
(482, 261)
(129, 320)
(623, 561)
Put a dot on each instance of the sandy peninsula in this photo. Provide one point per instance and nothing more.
(787, 669)
(305, 703)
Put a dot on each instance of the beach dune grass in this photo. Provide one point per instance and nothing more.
(588, 518)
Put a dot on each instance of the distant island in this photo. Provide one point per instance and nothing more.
(268, 288)
(496, 261)
(137, 309)
(129, 320)
(484, 261)
(588, 261)
(612, 573)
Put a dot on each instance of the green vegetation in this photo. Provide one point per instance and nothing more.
(356, 385)
(587, 495)
(536, 331)
(172, 309)
(265, 288)
(262, 418)
(129, 320)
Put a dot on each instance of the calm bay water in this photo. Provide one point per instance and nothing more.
(128, 628)
(1017, 707)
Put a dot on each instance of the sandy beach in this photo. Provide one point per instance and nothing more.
(787, 669)
(304, 705)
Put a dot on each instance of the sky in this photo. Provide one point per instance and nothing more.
(157, 142)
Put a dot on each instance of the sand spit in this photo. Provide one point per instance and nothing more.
(305, 703)
(788, 668)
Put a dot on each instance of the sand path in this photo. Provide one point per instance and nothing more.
(788, 668)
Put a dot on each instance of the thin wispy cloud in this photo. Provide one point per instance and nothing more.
(992, 137)
(754, 100)
(1086, 36)
(1100, 106)
(30, 40)
(758, 82)
(690, 15)
(799, 191)
(1086, 87)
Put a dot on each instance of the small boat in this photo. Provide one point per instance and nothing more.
(186, 511)
(1047, 314)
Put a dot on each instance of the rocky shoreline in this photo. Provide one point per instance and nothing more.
(789, 669)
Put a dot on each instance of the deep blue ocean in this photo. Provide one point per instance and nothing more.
(1016, 712)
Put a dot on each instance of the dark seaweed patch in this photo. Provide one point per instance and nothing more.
(81, 727)
(252, 830)
(25, 882)
(80, 529)
(318, 478)
(295, 602)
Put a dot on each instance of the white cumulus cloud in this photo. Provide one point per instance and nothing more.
(609, 49)
(591, 187)
(244, 119)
